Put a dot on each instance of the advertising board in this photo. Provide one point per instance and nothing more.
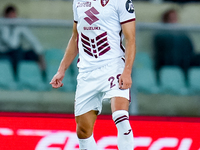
(25, 131)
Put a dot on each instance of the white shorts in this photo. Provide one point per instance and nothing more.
(98, 85)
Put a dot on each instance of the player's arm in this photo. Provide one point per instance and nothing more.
(70, 54)
(128, 30)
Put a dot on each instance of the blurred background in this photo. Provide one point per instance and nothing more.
(166, 72)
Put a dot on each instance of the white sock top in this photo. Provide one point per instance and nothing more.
(119, 113)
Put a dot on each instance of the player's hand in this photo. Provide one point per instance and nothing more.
(125, 81)
(56, 81)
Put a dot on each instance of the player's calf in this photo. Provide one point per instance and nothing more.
(125, 133)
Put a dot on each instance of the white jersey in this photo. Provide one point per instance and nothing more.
(99, 30)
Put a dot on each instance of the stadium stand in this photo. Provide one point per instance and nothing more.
(7, 81)
(30, 76)
(145, 80)
(194, 79)
(143, 60)
(172, 80)
(52, 36)
(52, 58)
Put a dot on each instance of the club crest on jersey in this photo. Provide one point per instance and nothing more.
(104, 2)
(129, 6)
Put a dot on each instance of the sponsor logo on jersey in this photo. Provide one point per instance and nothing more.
(91, 13)
(91, 28)
(95, 47)
(129, 6)
(104, 2)
(84, 4)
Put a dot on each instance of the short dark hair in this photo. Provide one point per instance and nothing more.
(8, 9)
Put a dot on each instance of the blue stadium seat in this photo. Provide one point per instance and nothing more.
(145, 80)
(6, 76)
(69, 82)
(172, 80)
(51, 71)
(194, 79)
(30, 76)
(143, 60)
(53, 56)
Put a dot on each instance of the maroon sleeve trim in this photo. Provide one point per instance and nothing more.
(75, 21)
(127, 21)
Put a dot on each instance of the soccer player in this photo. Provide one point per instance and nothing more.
(105, 66)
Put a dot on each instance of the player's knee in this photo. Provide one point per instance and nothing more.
(83, 132)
